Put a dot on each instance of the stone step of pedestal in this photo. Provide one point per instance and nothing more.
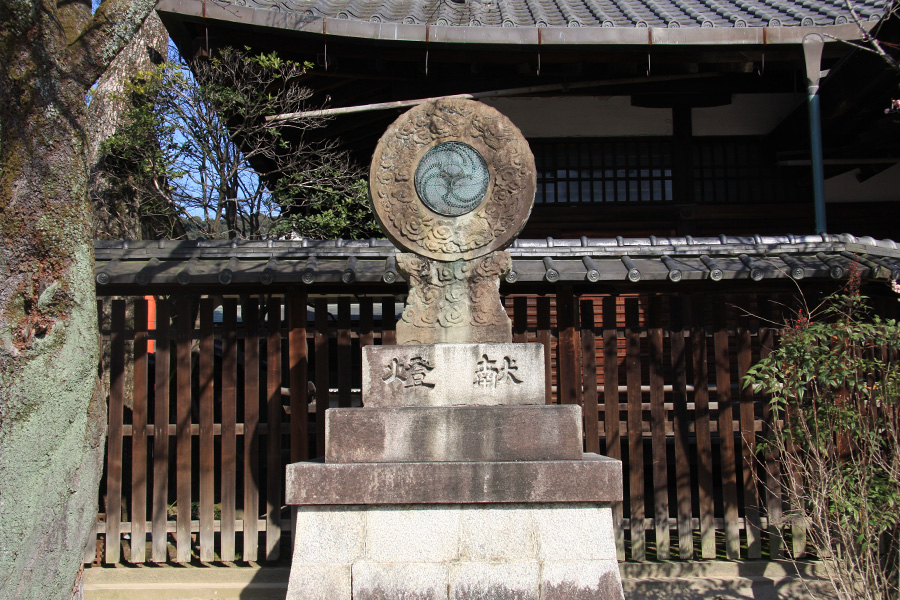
(459, 552)
(593, 479)
(451, 434)
(453, 375)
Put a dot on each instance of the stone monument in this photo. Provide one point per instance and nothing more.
(455, 480)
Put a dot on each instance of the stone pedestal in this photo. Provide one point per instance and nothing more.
(455, 480)
(542, 551)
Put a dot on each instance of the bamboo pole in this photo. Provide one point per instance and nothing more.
(535, 89)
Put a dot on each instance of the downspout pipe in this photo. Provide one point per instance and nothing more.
(813, 44)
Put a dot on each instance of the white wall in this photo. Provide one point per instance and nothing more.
(883, 187)
(613, 116)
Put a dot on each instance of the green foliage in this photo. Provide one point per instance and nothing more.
(199, 135)
(834, 389)
(336, 214)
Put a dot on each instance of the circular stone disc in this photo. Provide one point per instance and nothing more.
(452, 179)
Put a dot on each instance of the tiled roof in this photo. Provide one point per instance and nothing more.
(586, 260)
(581, 13)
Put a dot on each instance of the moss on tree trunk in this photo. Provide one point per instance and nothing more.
(52, 415)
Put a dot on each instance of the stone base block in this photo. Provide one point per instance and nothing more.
(593, 479)
(448, 434)
(453, 375)
(455, 552)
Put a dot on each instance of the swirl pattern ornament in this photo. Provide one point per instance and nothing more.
(411, 206)
(452, 178)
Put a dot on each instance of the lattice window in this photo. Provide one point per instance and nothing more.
(603, 171)
(724, 170)
(739, 171)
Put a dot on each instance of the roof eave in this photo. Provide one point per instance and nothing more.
(536, 36)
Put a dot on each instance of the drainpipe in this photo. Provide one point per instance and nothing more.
(813, 44)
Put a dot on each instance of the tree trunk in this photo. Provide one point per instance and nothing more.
(116, 212)
(52, 415)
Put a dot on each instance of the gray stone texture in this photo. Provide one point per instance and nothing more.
(400, 581)
(453, 434)
(457, 302)
(455, 552)
(495, 581)
(593, 479)
(574, 530)
(575, 579)
(333, 534)
(413, 533)
(453, 375)
(505, 532)
(320, 581)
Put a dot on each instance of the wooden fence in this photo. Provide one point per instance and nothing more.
(208, 404)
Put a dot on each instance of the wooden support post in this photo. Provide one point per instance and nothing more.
(702, 428)
(658, 429)
(274, 471)
(726, 432)
(207, 447)
(323, 397)
(752, 525)
(681, 428)
(114, 435)
(545, 338)
(250, 314)
(611, 419)
(591, 408)
(568, 377)
(160, 552)
(229, 422)
(183, 429)
(139, 437)
(635, 429)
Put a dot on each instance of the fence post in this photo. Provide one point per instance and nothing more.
(568, 375)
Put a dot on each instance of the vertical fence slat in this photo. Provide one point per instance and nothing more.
(299, 361)
(702, 429)
(344, 356)
(611, 405)
(658, 430)
(748, 441)
(323, 397)
(726, 432)
(366, 326)
(114, 435)
(93, 548)
(274, 475)
(635, 433)
(589, 378)
(520, 319)
(183, 430)
(774, 506)
(229, 420)
(544, 336)
(206, 459)
(733, 412)
(160, 551)
(568, 375)
(139, 437)
(250, 314)
(388, 322)
(680, 428)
